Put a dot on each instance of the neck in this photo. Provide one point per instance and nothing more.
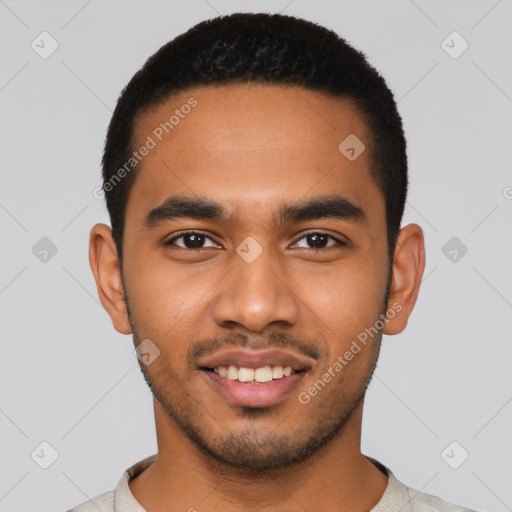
(184, 477)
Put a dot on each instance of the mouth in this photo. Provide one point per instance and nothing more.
(253, 375)
(249, 379)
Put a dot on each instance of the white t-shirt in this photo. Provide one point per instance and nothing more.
(396, 498)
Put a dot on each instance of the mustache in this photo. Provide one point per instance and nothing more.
(241, 340)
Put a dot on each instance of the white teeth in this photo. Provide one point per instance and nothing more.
(245, 374)
(232, 372)
(277, 372)
(262, 374)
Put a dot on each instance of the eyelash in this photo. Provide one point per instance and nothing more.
(172, 240)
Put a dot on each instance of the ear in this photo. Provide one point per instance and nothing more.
(408, 267)
(107, 274)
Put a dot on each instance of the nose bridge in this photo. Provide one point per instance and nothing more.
(255, 294)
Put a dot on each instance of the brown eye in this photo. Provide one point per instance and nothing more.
(191, 240)
(320, 240)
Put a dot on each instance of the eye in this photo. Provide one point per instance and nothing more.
(319, 240)
(191, 240)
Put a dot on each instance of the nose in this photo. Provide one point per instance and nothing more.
(256, 294)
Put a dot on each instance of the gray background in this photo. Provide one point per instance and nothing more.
(68, 378)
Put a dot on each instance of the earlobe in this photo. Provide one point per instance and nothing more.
(107, 274)
(408, 267)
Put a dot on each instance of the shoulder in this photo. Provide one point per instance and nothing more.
(399, 495)
(422, 502)
(121, 498)
(103, 502)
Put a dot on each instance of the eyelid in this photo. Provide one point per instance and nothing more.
(190, 232)
(340, 243)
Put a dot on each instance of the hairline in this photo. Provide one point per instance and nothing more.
(163, 97)
(363, 117)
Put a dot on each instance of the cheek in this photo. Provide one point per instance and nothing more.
(151, 292)
(164, 297)
(347, 299)
(342, 299)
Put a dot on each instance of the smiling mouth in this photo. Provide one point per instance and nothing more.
(260, 375)
(247, 386)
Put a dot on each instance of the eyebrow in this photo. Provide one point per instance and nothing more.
(332, 206)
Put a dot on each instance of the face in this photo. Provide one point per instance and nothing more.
(252, 241)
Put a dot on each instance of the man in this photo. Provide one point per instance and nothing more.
(255, 174)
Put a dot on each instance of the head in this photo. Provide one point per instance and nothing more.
(280, 148)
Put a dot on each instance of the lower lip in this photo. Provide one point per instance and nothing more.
(257, 394)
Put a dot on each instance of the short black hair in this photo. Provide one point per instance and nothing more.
(266, 49)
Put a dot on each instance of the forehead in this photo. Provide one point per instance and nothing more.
(249, 145)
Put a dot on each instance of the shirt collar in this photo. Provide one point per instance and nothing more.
(396, 493)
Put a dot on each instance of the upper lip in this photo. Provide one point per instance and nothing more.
(256, 359)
